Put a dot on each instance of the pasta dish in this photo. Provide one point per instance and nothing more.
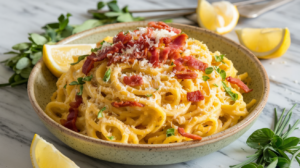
(153, 85)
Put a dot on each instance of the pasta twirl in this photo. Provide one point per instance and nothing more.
(141, 86)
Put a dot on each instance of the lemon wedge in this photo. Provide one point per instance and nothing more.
(45, 155)
(58, 57)
(220, 17)
(265, 43)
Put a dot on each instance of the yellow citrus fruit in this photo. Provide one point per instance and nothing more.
(220, 17)
(58, 57)
(45, 155)
(265, 43)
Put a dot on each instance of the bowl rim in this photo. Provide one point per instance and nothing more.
(173, 146)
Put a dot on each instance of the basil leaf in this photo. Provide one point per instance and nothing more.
(125, 17)
(283, 162)
(100, 115)
(250, 165)
(125, 9)
(113, 14)
(91, 23)
(274, 163)
(23, 63)
(66, 32)
(80, 58)
(112, 5)
(148, 95)
(289, 142)
(170, 132)
(215, 85)
(219, 58)
(21, 46)
(107, 75)
(74, 83)
(36, 57)
(205, 78)
(100, 5)
(234, 96)
(223, 74)
(38, 39)
(276, 141)
(26, 72)
(209, 70)
(111, 137)
(88, 78)
(260, 138)
(65, 86)
(80, 81)
(80, 90)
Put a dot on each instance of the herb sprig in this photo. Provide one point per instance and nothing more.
(80, 81)
(272, 145)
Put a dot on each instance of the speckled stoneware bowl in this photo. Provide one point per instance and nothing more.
(42, 84)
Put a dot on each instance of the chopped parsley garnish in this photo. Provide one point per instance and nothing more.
(111, 137)
(205, 78)
(148, 95)
(170, 132)
(157, 88)
(219, 58)
(65, 86)
(100, 113)
(80, 81)
(215, 85)
(80, 58)
(74, 83)
(95, 49)
(88, 78)
(80, 90)
(233, 96)
(172, 63)
(223, 74)
(209, 70)
(107, 75)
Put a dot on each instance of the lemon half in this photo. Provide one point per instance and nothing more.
(45, 155)
(265, 43)
(58, 57)
(220, 17)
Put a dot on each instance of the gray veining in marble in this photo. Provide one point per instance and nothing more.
(18, 121)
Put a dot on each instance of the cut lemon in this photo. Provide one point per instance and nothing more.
(58, 57)
(220, 17)
(45, 155)
(265, 43)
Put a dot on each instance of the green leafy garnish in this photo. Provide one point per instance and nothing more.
(111, 137)
(172, 63)
(272, 145)
(209, 70)
(223, 74)
(170, 132)
(215, 85)
(88, 78)
(80, 90)
(107, 75)
(233, 96)
(100, 113)
(205, 78)
(95, 49)
(80, 81)
(65, 86)
(148, 95)
(80, 58)
(168, 20)
(219, 58)
(74, 83)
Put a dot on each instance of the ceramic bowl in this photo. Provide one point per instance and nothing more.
(42, 84)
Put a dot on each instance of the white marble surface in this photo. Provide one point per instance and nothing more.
(18, 121)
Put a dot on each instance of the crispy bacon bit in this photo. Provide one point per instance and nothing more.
(192, 136)
(192, 62)
(240, 84)
(195, 96)
(154, 58)
(73, 113)
(124, 38)
(148, 33)
(179, 66)
(126, 103)
(186, 75)
(88, 65)
(179, 42)
(163, 56)
(162, 25)
(134, 80)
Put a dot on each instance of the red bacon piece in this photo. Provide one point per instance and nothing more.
(192, 62)
(188, 135)
(186, 75)
(70, 123)
(163, 56)
(179, 42)
(126, 103)
(124, 38)
(154, 58)
(134, 80)
(179, 66)
(240, 84)
(162, 25)
(194, 96)
(148, 33)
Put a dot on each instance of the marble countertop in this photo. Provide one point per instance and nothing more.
(19, 122)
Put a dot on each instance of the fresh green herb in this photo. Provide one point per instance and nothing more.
(100, 114)
(272, 145)
(157, 88)
(80, 58)
(80, 90)
(80, 81)
(205, 78)
(233, 96)
(218, 69)
(219, 58)
(170, 132)
(74, 83)
(148, 95)
(209, 70)
(111, 137)
(223, 74)
(107, 75)
(65, 86)
(172, 63)
(95, 49)
(88, 78)
(168, 21)
(215, 85)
